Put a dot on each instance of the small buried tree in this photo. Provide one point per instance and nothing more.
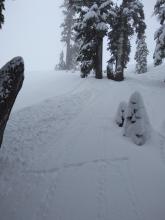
(137, 125)
(11, 80)
(121, 113)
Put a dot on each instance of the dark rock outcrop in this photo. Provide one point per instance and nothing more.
(11, 80)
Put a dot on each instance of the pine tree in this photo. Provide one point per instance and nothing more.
(119, 44)
(141, 55)
(159, 53)
(74, 54)
(129, 19)
(61, 65)
(91, 28)
(2, 7)
(68, 34)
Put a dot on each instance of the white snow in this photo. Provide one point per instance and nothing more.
(64, 157)
(102, 27)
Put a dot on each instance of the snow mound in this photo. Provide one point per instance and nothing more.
(137, 125)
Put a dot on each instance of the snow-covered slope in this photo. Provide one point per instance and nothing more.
(64, 158)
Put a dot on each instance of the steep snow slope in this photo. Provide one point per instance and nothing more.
(64, 158)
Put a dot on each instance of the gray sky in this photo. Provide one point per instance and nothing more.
(32, 30)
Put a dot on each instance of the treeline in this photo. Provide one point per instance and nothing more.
(87, 22)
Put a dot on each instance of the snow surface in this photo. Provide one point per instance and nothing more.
(64, 157)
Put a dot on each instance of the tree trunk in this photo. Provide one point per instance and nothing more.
(110, 73)
(99, 57)
(11, 80)
(119, 75)
(68, 55)
(68, 42)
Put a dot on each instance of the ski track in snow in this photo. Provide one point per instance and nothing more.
(102, 203)
(35, 127)
(75, 165)
(129, 186)
(162, 146)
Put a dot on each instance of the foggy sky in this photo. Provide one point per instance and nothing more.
(32, 30)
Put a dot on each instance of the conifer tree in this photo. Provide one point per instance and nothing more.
(61, 65)
(2, 7)
(74, 54)
(129, 19)
(68, 35)
(159, 53)
(91, 28)
(141, 55)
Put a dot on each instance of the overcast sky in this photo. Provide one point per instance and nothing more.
(32, 30)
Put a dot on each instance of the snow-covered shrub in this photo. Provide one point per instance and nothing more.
(137, 125)
(121, 112)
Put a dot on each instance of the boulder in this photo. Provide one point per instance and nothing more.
(11, 80)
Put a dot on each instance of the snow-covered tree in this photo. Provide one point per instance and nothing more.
(74, 52)
(129, 19)
(141, 55)
(159, 53)
(121, 113)
(137, 125)
(61, 65)
(91, 28)
(2, 7)
(68, 34)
